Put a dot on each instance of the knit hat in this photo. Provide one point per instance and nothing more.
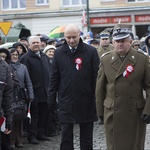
(48, 47)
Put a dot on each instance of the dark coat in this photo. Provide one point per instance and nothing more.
(39, 71)
(76, 88)
(120, 99)
(6, 91)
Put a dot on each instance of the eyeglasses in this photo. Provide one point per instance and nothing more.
(137, 45)
(105, 39)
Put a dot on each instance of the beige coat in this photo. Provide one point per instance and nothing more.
(121, 100)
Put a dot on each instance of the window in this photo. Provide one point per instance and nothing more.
(42, 2)
(73, 2)
(138, 0)
(13, 4)
(107, 0)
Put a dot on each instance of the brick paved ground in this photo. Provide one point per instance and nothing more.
(99, 140)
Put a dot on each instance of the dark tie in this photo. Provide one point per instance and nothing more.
(73, 50)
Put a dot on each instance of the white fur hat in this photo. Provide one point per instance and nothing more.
(48, 47)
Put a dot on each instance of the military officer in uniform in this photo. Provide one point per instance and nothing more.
(122, 76)
(105, 45)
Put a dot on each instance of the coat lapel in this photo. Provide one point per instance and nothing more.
(120, 66)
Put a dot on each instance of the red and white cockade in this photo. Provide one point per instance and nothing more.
(78, 62)
(128, 71)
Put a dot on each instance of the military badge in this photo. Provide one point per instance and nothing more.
(128, 71)
(78, 62)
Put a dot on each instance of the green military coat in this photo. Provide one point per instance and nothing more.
(101, 50)
(120, 99)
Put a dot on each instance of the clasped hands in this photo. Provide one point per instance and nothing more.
(145, 118)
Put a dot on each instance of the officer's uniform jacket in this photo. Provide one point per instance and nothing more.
(101, 50)
(119, 97)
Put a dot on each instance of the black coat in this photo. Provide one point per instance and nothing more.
(39, 71)
(6, 91)
(76, 88)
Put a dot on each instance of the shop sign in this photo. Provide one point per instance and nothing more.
(108, 20)
(102, 20)
(122, 19)
(142, 18)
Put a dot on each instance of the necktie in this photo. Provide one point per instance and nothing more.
(122, 58)
(73, 50)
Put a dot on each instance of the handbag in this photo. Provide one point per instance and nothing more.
(23, 94)
(19, 106)
(20, 110)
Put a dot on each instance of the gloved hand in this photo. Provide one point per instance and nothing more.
(8, 125)
(101, 118)
(145, 118)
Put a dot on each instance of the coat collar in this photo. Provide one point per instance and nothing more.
(117, 64)
(33, 54)
(80, 46)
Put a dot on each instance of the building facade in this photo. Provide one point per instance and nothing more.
(41, 16)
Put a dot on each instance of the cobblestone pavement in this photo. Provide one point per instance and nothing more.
(99, 142)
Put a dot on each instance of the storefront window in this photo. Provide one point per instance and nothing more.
(13, 4)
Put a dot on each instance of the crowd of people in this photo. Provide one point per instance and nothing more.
(76, 81)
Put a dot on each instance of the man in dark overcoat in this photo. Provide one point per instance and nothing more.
(74, 73)
(123, 75)
(39, 70)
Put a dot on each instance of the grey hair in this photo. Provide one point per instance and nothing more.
(33, 37)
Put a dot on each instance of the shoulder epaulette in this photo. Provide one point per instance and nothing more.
(142, 52)
(105, 54)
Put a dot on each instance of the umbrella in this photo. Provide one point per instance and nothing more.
(58, 32)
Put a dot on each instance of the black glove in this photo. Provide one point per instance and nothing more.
(8, 125)
(101, 118)
(145, 118)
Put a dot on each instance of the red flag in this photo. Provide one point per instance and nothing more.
(84, 23)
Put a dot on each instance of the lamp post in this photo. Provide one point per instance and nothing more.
(87, 12)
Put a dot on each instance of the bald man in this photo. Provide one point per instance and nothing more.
(74, 72)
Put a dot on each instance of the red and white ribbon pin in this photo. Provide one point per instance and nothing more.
(78, 62)
(128, 71)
